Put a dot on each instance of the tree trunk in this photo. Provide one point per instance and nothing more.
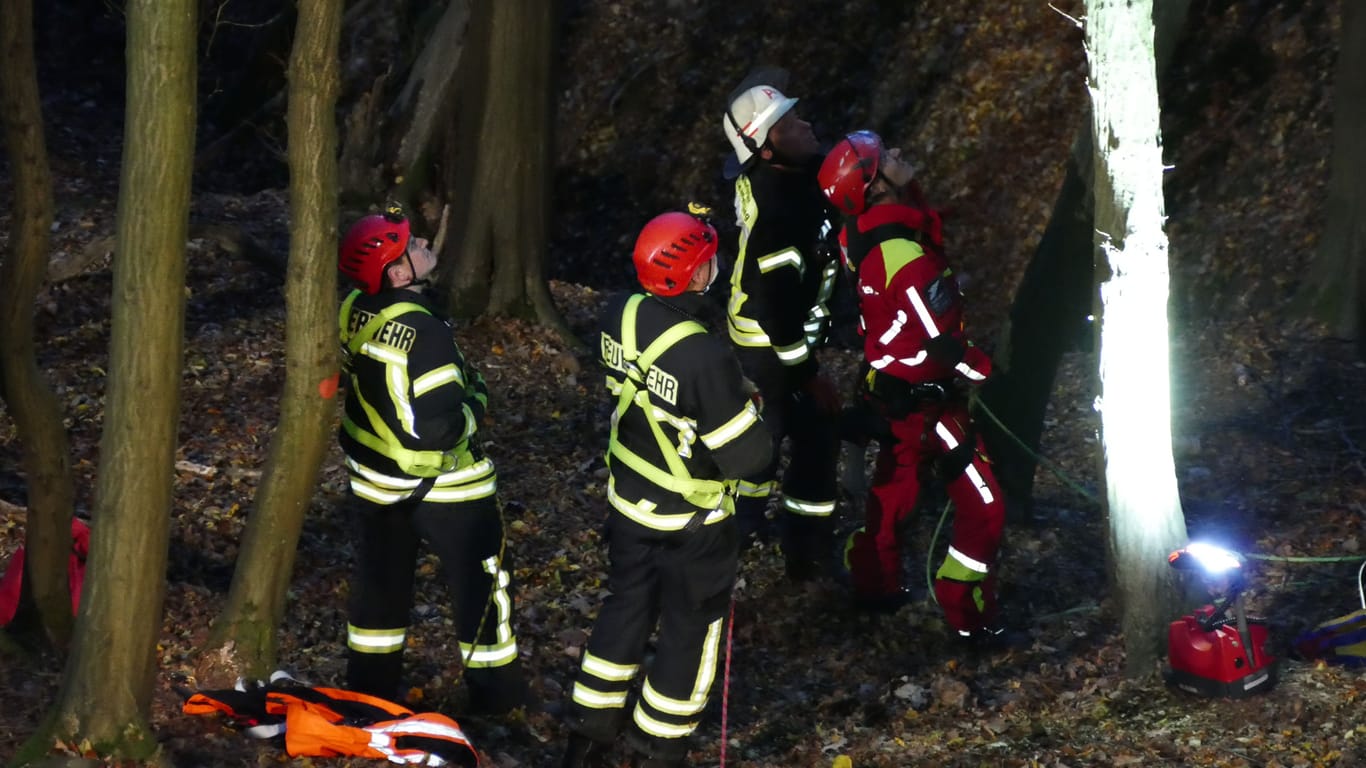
(498, 164)
(1335, 289)
(245, 634)
(30, 401)
(1050, 313)
(106, 694)
(1145, 517)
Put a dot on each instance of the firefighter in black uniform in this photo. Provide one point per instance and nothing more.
(778, 316)
(686, 426)
(410, 435)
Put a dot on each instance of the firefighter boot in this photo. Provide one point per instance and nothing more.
(496, 691)
(583, 752)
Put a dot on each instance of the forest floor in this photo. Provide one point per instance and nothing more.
(1269, 429)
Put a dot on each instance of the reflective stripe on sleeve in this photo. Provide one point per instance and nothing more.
(736, 426)
(783, 258)
(793, 354)
(432, 379)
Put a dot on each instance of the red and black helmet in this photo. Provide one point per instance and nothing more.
(370, 245)
(670, 249)
(849, 169)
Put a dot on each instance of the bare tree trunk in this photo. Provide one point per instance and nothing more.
(1049, 314)
(1146, 521)
(244, 637)
(498, 169)
(30, 401)
(106, 695)
(1334, 291)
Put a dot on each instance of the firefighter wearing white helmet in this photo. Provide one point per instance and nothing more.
(778, 316)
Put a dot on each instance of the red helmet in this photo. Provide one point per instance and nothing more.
(369, 246)
(848, 170)
(670, 249)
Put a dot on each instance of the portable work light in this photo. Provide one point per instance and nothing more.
(1217, 650)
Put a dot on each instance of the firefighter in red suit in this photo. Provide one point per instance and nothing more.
(919, 365)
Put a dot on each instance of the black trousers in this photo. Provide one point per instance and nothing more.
(680, 582)
(467, 537)
(809, 483)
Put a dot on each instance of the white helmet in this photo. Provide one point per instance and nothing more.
(750, 117)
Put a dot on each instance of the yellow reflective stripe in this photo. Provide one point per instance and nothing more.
(420, 463)
(386, 355)
(659, 728)
(748, 338)
(389, 482)
(470, 424)
(606, 670)
(398, 394)
(434, 378)
(786, 257)
(463, 493)
(698, 492)
(485, 656)
(791, 354)
(378, 495)
(374, 640)
(733, 428)
(502, 601)
(809, 508)
(706, 675)
(758, 490)
(595, 699)
(642, 511)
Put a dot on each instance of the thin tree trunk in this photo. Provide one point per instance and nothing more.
(244, 637)
(1145, 517)
(30, 401)
(106, 694)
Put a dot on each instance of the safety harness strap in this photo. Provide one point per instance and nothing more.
(379, 437)
(704, 494)
(368, 331)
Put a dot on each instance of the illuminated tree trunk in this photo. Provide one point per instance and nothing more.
(1144, 508)
(1049, 315)
(244, 637)
(1335, 289)
(28, 399)
(106, 695)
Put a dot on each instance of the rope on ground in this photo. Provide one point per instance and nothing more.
(977, 404)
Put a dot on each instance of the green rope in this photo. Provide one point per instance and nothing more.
(1296, 559)
(975, 402)
(929, 555)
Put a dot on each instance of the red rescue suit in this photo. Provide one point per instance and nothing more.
(911, 318)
